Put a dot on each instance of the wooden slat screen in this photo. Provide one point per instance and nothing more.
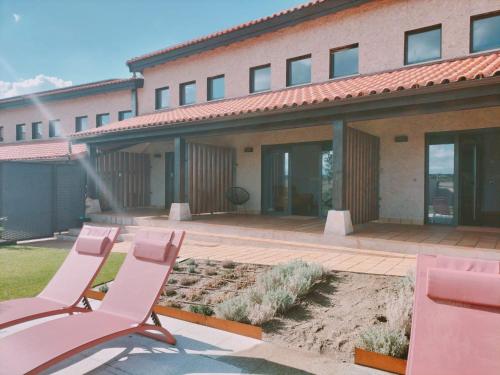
(211, 175)
(126, 175)
(362, 175)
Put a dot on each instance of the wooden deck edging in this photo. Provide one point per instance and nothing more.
(242, 329)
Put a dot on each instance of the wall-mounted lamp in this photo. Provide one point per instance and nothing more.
(248, 149)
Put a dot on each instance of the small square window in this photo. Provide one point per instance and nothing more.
(101, 119)
(162, 98)
(344, 61)
(81, 123)
(187, 93)
(54, 128)
(423, 45)
(485, 32)
(20, 132)
(215, 87)
(123, 115)
(298, 70)
(260, 78)
(36, 130)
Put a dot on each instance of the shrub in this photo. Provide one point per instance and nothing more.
(228, 264)
(104, 288)
(188, 280)
(385, 340)
(233, 309)
(210, 271)
(172, 281)
(191, 262)
(169, 291)
(176, 266)
(201, 309)
(192, 268)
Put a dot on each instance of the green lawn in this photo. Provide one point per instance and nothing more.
(25, 270)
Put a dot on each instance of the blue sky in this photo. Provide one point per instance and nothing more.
(53, 43)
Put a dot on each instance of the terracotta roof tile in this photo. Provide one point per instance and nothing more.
(41, 150)
(439, 73)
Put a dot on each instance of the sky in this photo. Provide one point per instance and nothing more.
(47, 44)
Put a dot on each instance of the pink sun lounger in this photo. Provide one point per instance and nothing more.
(124, 310)
(456, 317)
(65, 290)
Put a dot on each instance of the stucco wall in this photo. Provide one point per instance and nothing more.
(402, 165)
(378, 27)
(64, 110)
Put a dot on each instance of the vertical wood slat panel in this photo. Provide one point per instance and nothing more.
(362, 175)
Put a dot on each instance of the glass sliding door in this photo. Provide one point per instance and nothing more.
(441, 180)
(275, 187)
(306, 179)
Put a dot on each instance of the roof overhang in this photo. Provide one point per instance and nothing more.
(243, 32)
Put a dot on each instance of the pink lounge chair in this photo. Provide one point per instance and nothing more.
(456, 317)
(124, 310)
(66, 289)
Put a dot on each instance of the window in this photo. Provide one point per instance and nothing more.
(423, 45)
(260, 78)
(298, 70)
(187, 93)
(344, 61)
(36, 130)
(1, 133)
(123, 115)
(102, 119)
(485, 32)
(20, 132)
(162, 98)
(54, 128)
(215, 87)
(81, 123)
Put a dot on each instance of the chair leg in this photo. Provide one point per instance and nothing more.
(164, 335)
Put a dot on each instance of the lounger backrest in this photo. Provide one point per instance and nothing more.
(80, 267)
(141, 278)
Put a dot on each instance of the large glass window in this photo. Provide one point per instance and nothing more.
(215, 87)
(344, 61)
(423, 45)
(36, 130)
(123, 115)
(54, 128)
(260, 78)
(20, 132)
(298, 70)
(441, 182)
(101, 119)
(485, 32)
(162, 98)
(81, 123)
(187, 93)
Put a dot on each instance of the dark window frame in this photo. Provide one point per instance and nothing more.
(182, 99)
(99, 123)
(24, 132)
(157, 98)
(422, 30)
(251, 75)
(36, 124)
(209, 81)
(288, 70)
(76, 123)
(121, 113)
(338, 49)
(478, 17)
(52, 130)
(1, 133)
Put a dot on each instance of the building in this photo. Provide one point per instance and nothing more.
(363, 110)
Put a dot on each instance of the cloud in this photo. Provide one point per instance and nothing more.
(27, 86)
(17, 17)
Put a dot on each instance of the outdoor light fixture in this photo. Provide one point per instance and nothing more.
(401, 138)
(248, 149)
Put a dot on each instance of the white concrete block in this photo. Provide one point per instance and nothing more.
(338, 223)
(179, 212)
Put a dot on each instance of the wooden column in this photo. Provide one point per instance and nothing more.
(339, 159)
(180, 195)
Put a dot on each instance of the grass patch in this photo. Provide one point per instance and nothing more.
(25, 270)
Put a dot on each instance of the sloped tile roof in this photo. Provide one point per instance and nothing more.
(408, 78)
(41, 150)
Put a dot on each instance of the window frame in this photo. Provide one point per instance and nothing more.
(157, 101)
(338, 49)
(478, 17)
(251, 76)
(98, 123)
(209, 82)
(52, 132)
(76, 123)
(419, 31)
(121, 113)
(33, 124)
(288, 69)
(24, 132)
(1, 134)
(182, 99)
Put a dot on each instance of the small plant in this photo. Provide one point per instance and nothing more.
(104, 288)
(385, 340)
(188, 280)
(201, 309)
(233, 309)
(191, 262)
(192, 268)
(209, 262)
(176, 266)
(210, 271)
(229, 264)
(172, 281)
(169, 291)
